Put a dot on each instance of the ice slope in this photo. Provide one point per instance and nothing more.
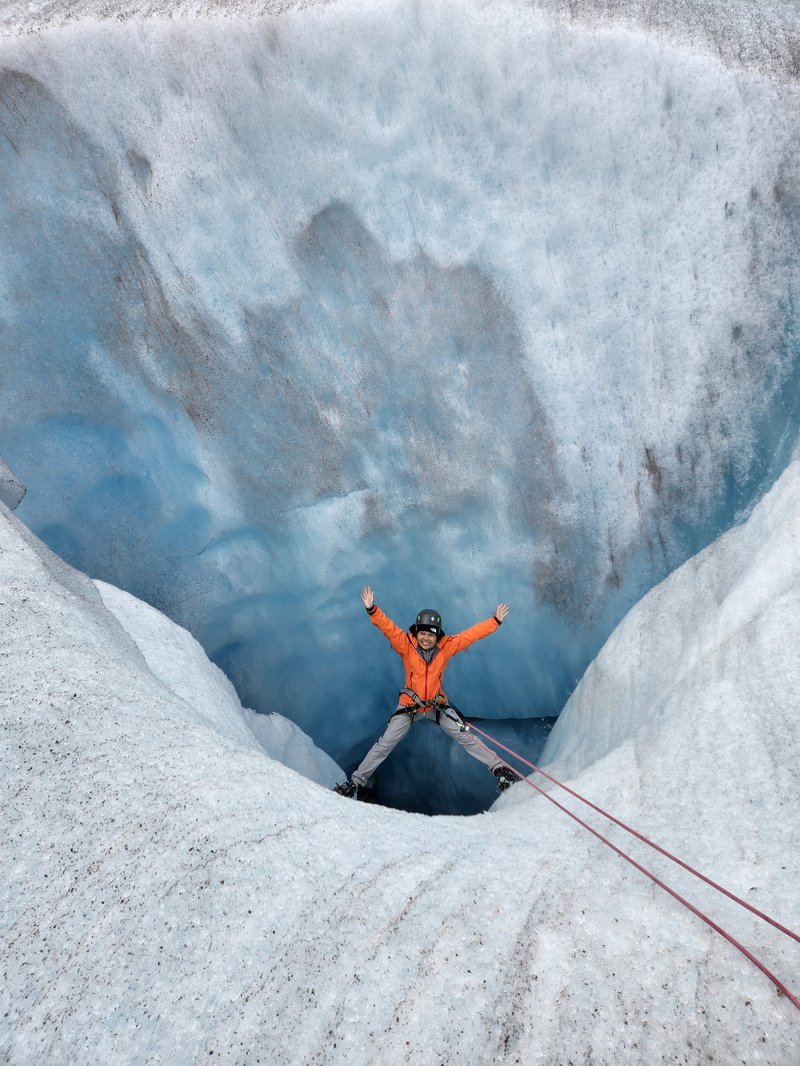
(469, 301)
(12, 490)
(172, 895)
(177, 660)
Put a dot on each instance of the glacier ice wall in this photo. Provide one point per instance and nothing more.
(466, 301)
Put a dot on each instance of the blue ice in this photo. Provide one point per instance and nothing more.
(459, 301)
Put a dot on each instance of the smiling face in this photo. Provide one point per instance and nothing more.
(426, 639)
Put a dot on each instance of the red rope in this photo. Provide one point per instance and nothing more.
(644, 839)
(698, 913)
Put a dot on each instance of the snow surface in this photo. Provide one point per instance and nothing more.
(172, 895)
(727, 25)
(470, 301)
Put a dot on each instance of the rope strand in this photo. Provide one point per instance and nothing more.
(644, 839)
(649, 874)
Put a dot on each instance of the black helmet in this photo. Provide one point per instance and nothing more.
(430, 620)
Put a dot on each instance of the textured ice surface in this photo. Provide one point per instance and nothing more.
(12, 490)
(177, 660)
(472, 302)
(172, 895)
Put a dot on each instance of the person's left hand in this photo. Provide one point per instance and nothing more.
(501, 611)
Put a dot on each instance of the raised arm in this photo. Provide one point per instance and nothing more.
(462, 640)
(393, 633)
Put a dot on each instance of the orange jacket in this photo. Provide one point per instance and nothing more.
(426, 678)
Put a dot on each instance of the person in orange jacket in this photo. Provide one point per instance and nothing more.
(426, 650)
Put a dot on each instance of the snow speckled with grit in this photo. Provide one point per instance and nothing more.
(170, 894)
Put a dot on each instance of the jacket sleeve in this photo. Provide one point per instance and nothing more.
(396, 636)
(462, 640)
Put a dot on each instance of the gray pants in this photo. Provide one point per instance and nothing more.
(399, 725)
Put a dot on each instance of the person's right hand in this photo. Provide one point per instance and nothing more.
(367, 597)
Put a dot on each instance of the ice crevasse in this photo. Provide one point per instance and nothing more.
(172, 893)
(472, 302)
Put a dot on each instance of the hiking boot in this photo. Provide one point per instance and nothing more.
(349, 789)
(505, 777)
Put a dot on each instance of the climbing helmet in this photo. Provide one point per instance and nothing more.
(430, 620)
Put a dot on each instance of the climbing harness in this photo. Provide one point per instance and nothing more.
(471, 727)
(438, 704)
